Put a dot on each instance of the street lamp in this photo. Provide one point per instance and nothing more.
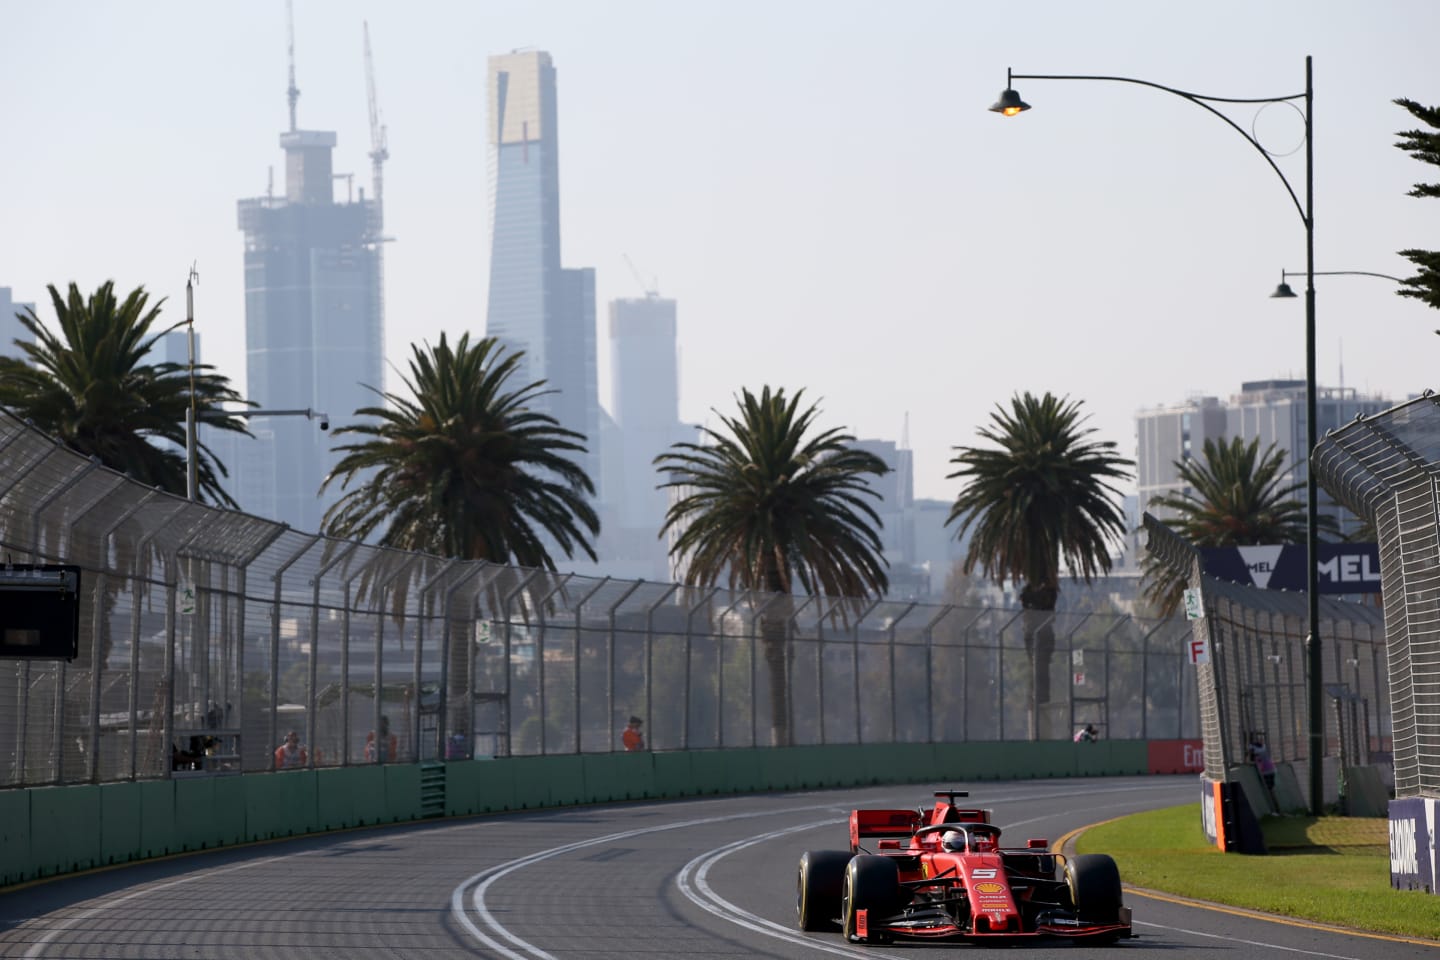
(1283, 291)
(190, 455)
(1010, 104)
(192, 413)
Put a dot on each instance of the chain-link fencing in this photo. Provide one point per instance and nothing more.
(206, 636)
(1252, 680)
(1386, 468)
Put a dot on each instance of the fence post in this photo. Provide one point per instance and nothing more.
(820, 662)
(579, 698)
(720, 671)
(689, 688)
(610, 668)
(540, 643)
(315, 579)
(417, 682)
(650, 661)
(855, 667)
(506, 601)
(928, 632)
(443, 726)
(756, 641)
(894, 705)
(791, 631)
(276, 578)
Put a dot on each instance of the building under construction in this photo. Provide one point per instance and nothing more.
(314, 326)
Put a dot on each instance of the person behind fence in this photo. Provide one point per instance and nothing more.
(1259, 755)
(1087, 734)
(632, 737)
(383, 748)
(290, 754)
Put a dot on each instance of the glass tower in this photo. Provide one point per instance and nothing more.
(535, 305)
(313, 337)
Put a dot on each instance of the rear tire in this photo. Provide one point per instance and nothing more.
(873, 884)
(818, 888)
(1094, 883)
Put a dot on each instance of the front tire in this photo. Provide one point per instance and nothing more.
(873, 884)
(818, 888)
(1094, 883)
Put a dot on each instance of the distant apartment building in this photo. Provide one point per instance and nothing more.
(535, 305)
(11, 328)
(313, 330)
(922, 551)
(897, 499)
(644, 399)
(1272, 410)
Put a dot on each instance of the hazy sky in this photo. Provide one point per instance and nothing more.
(817, 183)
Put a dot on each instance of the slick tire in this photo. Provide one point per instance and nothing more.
(818, 888)
(1094, 883)
(873, 884)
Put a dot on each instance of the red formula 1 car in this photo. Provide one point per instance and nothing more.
(942, 874)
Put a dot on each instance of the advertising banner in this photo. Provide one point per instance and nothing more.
(1412, 850)
(1176, 756)
(1342, 567)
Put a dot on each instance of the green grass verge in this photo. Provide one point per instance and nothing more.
(1331, 870)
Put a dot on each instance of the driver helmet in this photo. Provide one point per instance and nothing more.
(953, 840)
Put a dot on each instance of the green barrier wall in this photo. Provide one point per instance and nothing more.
(49, 831)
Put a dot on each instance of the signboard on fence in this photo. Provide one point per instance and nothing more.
(39, 611)
(1342, 567)
(1412, 852)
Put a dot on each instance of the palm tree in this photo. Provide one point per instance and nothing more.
(1232, 497)
(1046, 494)
(92, 388)
(773, 507)
(465, 467)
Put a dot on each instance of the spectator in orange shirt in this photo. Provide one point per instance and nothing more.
(632, 737)
(290, 755)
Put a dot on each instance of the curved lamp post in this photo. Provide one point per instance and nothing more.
(1010, 104)
(1283, 291)
(192, 490)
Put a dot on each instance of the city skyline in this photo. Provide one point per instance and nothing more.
(1114, 244)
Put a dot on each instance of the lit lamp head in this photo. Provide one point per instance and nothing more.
(1009, 103)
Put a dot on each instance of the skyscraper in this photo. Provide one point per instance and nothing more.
(313, 337)
(645, 402)
(535, 305)
(645, 413)
(1272, 411)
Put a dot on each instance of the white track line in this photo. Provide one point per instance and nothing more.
(524, 950)
(704, 896)
(485, 878)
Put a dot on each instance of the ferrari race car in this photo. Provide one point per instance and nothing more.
(942, 874)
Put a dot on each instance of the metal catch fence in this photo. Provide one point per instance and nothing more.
(207, 635)
(1254, 680)
(1386, 468)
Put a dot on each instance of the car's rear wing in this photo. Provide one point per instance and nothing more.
(882, 823)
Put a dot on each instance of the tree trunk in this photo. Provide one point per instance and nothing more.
(459, 698)
(1039, 602)
(772, 635)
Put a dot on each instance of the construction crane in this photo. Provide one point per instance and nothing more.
(379, 153)
(293, 92)
(379, 148)
(650, 291)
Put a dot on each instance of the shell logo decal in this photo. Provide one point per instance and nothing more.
(990, 887)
